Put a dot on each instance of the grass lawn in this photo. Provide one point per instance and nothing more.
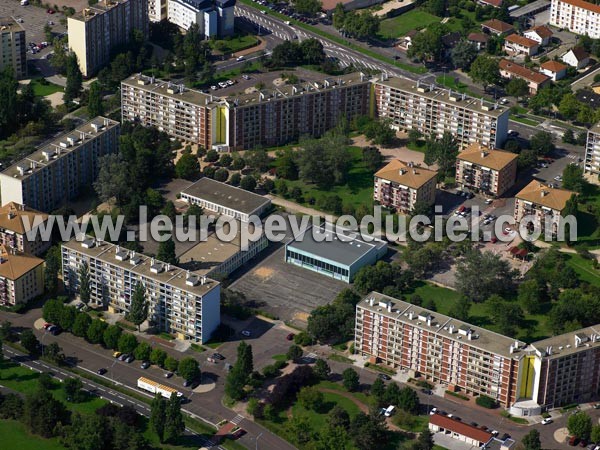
(234, 44)
(41, 90)
(357, 191)
(533, 123)
(418, 146)
(14, 435)
(584, 268)
(281, 357)
(318, 420)
(450, 82)
(398, 26)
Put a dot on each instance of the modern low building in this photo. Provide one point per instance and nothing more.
(319, 249)
(21, 277)
(495, 26)
(60, 170)
(576, 57)
(13, 49)
(429, 109)
(456, 429)
(592, 151)
(541, 34)
(181, 303)
(535, 80)
(222, 198)
(491, 172)
(401, 186)
(553, 69)
(245, 121)
(215, 18)
(515, 44)
(543, 204)
(20, 229)
(97, 30)
(577, 16)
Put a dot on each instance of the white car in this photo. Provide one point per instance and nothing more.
(230, 82)
(214, 88)
(494, 433)
(546, 421)
(558, 178)
(240, 58)
(488, 201)
(433, 411)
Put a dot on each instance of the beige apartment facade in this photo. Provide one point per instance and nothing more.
(400, 186)
(577, 16)
(21, 277)
(491, 172)
(429, 109)
(592, 151)
(20, 229)
(13, 49)
(95, 31)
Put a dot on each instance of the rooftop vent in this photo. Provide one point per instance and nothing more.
(87, 243)
(135, 259)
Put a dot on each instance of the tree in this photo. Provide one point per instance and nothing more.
(171, 364)
(67, 317)
(53, 266)
(527, 159)
(368, 429)
(311, 398)
(568, 136)
(517, 87)
(308, 7)
(187, 167)
(113, 179)
(235, 382)
(531, 441)
(507, 316)
(460, 310)
(580, 425)
(573, 178)
(350, 379)
(338, 417)
(142, 351)
(531, 296)
(84, 283)
(225, 160)
(372, 157)
(542, 143)
(380, 132)
(248, 182)
(72, 387)
(378, 389)
(424, 441)
(42, 413)
(174, 424)
(443, 152)
(427, 45)
(74, 79)
(569, 107)
(95, 333)
(127, 343)
(485, 70)
(95, 106)
(158, 412)
(158, 357)
(322, 369)
(221, 175)
(463, 54)
(188, 369)
(166, 251)
(482, 274)
(594, 436)
(138, 311)
(111, 336)
(312, 51)
(294, 353)
(81, 325)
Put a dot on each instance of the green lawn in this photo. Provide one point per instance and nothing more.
(398, 26)
(235, 44)
(41, 89)
(533, 123)
(15, 436)
(450, 82)
(584, 268)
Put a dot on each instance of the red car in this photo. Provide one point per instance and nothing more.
(50, 11)
(573, 441)
(47, 325)
(290, 337)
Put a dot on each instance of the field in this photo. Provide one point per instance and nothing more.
(41, 90)
(234, 44)
(396, 27)
(584, 268)
(14, 435)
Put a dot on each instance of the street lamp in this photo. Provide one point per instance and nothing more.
(257, 440)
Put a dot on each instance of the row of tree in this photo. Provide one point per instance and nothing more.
(356, 24)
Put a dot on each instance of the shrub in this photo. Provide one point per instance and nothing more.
(486, 402)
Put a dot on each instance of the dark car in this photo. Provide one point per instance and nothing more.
(384, 377)
(583, 443)
(123, 357)
(101, 371)
(218, 356)
(238, 434)
(187, 383)
(427, 391)
(55, 330)
(290, 337)
(130, 359)
(573, 441)
(145, 365)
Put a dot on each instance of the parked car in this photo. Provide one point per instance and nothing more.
(168, 374)
(101, 371)
(240, 58)
(145, 365)
(47, 325)
(239, 433)
(186, 383)
(433, 411)
(488, 201)
(427, 391)
(513, 133)
(117, 354)
(50, 11)
(546, 421)
(290, 337)
(218, 356)
(123, 357)
(494, 433)
(384, 377)
(573, 441)
(129, 359)
(583, 443)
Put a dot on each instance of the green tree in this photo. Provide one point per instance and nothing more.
(294, 353)
(84, 283)
(95, 332)
(380, 132)
(51, 269)
(312, 50)
(158, 357)
(580, 425)
(485, 70)
(507, 316)
(143, 351)
(594, 436)
(166, 252)
(368, 429)
(311, 398)
(74, 79)
(67, 317)
(113, 179)
(424, 441)
(378, 390)
(427, 45)
(542, 143)
(350, 379)
(248, 182)
(188, 369)
(127, 343)
(171, 364)
(568, 136)
(460, 310)
(573, 178)
(95, 106)
(72, 387)
(463, 54)
(42, 413)
(308, 7)
(235, 382)
(531, 441)
(338, 417)
(29, 341)
(138, 311)
(158, 413)
(443, 152)
(81, 325)
(245, 358)
(322, 369)
(221, 175)
(569, 107)
(481, 274)
(531, 296)
(187, 167)
(111, 336)
(174, 424)
(517, 87)
(408, 400)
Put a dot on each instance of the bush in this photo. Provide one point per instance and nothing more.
(486, 402)
(271, 371)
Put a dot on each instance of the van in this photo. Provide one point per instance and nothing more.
(24, 2)
(389, 411)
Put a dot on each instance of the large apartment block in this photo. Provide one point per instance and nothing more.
(157, 10)
(544, 204)
(245, 121)
(19, 229)
(182, 303)
(592, 151)
(431, 110)
(13, 50)
(60, 170)
(577, 16)
(97, 30)
(214, 18)
(491, 172)
(21, 276)
(524, 378)
(401, 186)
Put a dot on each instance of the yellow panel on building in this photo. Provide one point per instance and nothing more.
(526, 387)
(221, 125)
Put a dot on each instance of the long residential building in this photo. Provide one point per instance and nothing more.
(592, 151)
(182, 303)
(97, 30)
(20, 229)
(429, 109)
(401, 186)
(213, 17)
(21, 276)
(157, 10)
(13, 50)
(524, 378)
(485, 170)
(245, 121)
(60, 170)
(577, 16)
(544, 205)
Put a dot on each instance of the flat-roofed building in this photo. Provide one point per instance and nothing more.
(182, 303)
(213, 17)
(19, 221)
(491, 172)
(401, 186)
(592, 151)
(441, 349)
(222, 198)
(429, 109)
(60, 170)
(577, 16)
(267, 117)
(97, 30)
(13, 49)
(319, 249)
(21, 276)
(544, 204)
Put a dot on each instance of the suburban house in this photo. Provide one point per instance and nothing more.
(480, 40)
(520, 45)
(554, 70)
(576, 57)
(541, 34)
(495, 26)
(406, 41)
(535, 80)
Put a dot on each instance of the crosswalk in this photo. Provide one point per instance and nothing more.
(572, 156)
(237, 419)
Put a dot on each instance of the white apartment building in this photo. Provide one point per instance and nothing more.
(214, 17)
(181, 303)
(157, 10)
(429, 109)
(577, 16)
(60, 170)
(485, 170)
(13, 50)
(592, 151)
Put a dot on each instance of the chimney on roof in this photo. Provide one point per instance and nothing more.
(414, 171)
(483, 153)
(389, 307)
(402, 171)
(544, 193)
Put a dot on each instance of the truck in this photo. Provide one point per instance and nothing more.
(157, 388)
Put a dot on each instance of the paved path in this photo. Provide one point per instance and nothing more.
(294, 207)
